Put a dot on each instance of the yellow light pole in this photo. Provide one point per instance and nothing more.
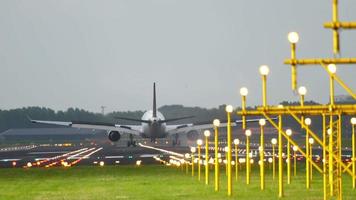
(289, 134)
(295, 149)
(293, 38)
(262, 123)
(332, 70)
(274, 142)
(207, 135)
(243, 93)
(236, 143)
(280, 156)
(229, 110)
(199, 143)
(307, 122)
(187, 156)
(311, 142)
(226, 149)
(264, 71)
(302, 92)
(193, 150)
(248, 165)
(353, 160)
(216, 124)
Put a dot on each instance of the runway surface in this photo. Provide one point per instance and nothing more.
(71, 155)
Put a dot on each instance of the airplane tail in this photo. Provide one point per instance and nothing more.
(154, 109)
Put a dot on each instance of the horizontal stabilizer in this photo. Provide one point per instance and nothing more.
(134, 120)
(175, 119)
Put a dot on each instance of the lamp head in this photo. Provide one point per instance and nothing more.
(353, 121)
(216, 122)
(302, 90)
(311, 141)
(293, 37)
(207, 133)
(248, 132)
(307, 121)
(199, 142)
(289, 132)
(274, 141)
(295, 148)
(236, 141)
(193, 149)
(332, 68)
(226, 149)
(187, 155)
(243, 91)
(264, 70)
(229, 108)
(262, 122)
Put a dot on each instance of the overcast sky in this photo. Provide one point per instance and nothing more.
(88, 53)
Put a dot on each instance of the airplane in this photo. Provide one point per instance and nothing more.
(153, 125)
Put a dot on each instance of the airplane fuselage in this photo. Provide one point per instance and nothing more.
(154, 129)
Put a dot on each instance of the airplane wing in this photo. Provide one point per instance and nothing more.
(131, 129)
(172, 129)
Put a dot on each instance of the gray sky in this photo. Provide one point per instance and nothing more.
(88, 53)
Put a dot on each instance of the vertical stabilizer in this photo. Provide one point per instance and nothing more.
(154, 109)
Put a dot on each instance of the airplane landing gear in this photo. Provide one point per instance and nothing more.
(131, 142)
(176, 140)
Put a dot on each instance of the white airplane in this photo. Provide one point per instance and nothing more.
(153, 125)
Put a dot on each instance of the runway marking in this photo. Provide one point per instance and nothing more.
(148, 155)
(9, 159)
(162, 150)
(47, 152)
(114, 156)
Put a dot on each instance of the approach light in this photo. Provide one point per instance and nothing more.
(199, 142)
(193, 149)
(293, 37)
(332, 68)
(353, 121)
(289, 132)
(274, 141)
(307, 121)
(302, 90)
(101, 163)
(229, 108)
(187, 155)
(29, 164)
(262, 122)
(243, 91)
(236, 141)
(216, 122)
(264, 70)
(206, 133)
(311, 141)
(248, 132)
(295, 148)
(226, 149)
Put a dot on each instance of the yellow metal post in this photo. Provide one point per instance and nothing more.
(199, 162)
(229, 176)
(336, 45)
(294, 67)
(353, 156)
(206, 160)
(274, 161)
(262, 173)
(236, 162)
(280, 160)
(243, 110)
(311, 158)
(217, 181)
(248, 134)
(325, 183)
(295, 162)
(193, 164)
(307, 161)
(288, 163)
(264, 91)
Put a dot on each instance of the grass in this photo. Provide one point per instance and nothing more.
(146, 182)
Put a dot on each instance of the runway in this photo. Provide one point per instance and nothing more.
(93, 155)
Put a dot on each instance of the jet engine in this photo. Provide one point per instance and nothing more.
(114, 136)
